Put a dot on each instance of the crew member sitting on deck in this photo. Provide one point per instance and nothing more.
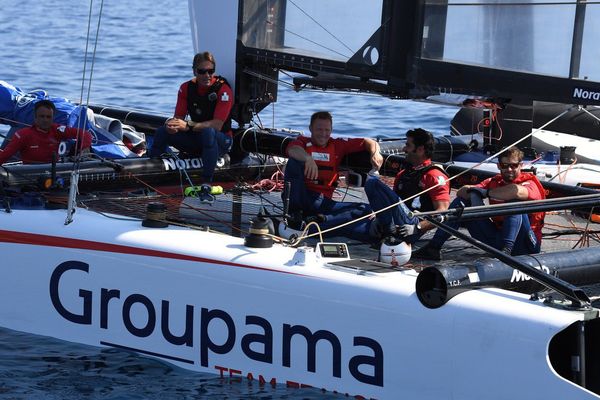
(207, 99)
(514, 234)
(39, 143)
(312, 173)
(420, 175)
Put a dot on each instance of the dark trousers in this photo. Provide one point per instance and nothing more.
(381, 196)
(209, 144)
(515, 233)
(335, 212)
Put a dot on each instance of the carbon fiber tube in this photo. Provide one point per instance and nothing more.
(436, 285)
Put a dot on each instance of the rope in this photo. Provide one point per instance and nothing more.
(402, 201)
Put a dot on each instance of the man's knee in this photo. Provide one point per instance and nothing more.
(208, 136)
(294, 169)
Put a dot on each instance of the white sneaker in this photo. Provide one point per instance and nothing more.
(288, 233)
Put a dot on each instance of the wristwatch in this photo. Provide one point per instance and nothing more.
(190, 124)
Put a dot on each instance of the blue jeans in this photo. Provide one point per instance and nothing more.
(335, 212)
(515, 233)
(381, 196)
(209, 144)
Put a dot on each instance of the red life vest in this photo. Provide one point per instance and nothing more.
(535, 219)
(327, 162)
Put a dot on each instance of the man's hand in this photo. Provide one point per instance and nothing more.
(175, 125)
(407, 230)
(311, 171)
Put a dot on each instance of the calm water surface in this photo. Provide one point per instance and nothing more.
(143, 54)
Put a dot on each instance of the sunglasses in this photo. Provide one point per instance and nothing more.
(506, 165)
(201, 71)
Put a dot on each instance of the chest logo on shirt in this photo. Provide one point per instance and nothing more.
(441, 181)
(224, 97)
(320, 157)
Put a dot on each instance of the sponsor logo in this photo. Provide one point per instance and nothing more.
(518, 276)
(172, 164)
(580, 93)
(320, 156)
(224, 97)
(211, 332)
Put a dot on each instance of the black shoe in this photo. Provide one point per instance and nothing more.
(295, 220)
(427, 252)
(319, 218)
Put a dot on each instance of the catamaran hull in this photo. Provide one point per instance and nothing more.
(206, 302)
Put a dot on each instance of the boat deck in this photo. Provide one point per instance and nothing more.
(231, 212)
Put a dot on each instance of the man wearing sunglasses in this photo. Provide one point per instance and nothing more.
(514, 234)
(207, 99)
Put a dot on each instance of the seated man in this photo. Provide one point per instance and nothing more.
(39, 143)
(312, 173)
(419, 175)
(514, 234)
(207, 99)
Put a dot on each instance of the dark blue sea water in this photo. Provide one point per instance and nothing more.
(143, 54)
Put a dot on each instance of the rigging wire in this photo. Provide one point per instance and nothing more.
(81, 123)
(309, 40)
(403, 201)
(321, 26)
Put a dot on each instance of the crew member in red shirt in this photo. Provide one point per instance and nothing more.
(39, 143)
(207, 99)
(423, 185)
(312, 173)
(514, 234)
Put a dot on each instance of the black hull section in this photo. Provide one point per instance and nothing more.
(438, 284)
(575, 122)
(117, 175)
(126, 173)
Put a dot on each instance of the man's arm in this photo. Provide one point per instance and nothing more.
(75, 133)
(462, 191)
(178, 123)
(425, 225)
(372, 147)
(13, 147)
(511, 191)
(311, 171)
(216, 124)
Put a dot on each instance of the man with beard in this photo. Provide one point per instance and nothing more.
(421, 184)
(514, 234)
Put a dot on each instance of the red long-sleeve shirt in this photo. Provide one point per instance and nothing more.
(37, 146)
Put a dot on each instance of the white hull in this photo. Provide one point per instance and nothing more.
(104, 282)
(587, 150)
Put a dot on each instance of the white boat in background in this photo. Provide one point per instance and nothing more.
(270, 310)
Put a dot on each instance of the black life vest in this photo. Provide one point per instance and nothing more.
(202, 107)
(408, 186)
